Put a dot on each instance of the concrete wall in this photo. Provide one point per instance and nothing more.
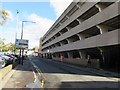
(96, 41)
(92, 28)
(83, 9)
(93, 21)
(82, 62)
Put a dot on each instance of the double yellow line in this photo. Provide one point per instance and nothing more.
(40, 73)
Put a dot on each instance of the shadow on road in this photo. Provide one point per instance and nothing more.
(102, 85)
(27, 66)
(53, 67)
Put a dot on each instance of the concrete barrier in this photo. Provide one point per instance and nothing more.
(5, 70)
(83, 62)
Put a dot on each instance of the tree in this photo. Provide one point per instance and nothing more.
(1, 43)
(10, 47)
(3, 16)
(6, 47)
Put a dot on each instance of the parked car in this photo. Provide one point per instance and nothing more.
(8, 60)
(13, 58)
(2, 62)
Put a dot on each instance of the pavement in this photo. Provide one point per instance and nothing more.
(23, 76)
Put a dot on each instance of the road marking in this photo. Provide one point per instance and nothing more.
(34, 76)
(38, 70)
(40, 73)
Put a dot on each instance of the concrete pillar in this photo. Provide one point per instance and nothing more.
(52, 56)
(69, 41)
(100, 7)
(53, 37)
(60, 24)
(81, 36)
(60, 43)
(78, 6)
(103, 28)
(60, 33)
(68, 28)
(45, 55)
(67, 17)
(70, 55)
(51, 47)
(102, 60)
(55, 45)
(82, 54)
(80, 20)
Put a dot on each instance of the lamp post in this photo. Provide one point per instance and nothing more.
(22, 50)
(23, 26)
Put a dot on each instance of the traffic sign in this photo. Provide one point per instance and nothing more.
(21, 44)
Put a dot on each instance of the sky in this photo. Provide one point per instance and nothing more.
(44, 13)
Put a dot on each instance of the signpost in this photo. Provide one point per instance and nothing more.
(21, 44)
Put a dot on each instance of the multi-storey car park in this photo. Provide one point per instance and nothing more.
(87, 33)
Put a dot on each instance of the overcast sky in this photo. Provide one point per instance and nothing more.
(44, 13)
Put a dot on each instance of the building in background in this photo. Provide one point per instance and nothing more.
(40, 45)
(36, 51)
(87, 33)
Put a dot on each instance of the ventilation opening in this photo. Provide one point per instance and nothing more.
(57, 35)
(53, 38)
(54, 55)
(53, 46)
(114, 23)
(58, 44)
(50, 47)
(73, 24)
(63, 20)
(94, 53)
(63, 31)
(76, 54)
(73, 10)
(64, 42)
(90, 32)
(74, 38)
(91, 12)
(65, 54)
(105, 4)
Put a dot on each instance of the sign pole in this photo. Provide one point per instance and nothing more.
(22, 55)
(21, 44)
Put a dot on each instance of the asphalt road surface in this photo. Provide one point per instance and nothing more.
(60, 75)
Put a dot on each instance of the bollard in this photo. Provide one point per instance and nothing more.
(42, 83)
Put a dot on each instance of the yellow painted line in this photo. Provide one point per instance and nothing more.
(40, 73)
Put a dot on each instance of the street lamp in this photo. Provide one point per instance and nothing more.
(21, 53)
(23, 26)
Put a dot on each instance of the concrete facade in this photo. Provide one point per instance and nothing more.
(86, 31)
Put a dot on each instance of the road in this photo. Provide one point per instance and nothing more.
(60, 75)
